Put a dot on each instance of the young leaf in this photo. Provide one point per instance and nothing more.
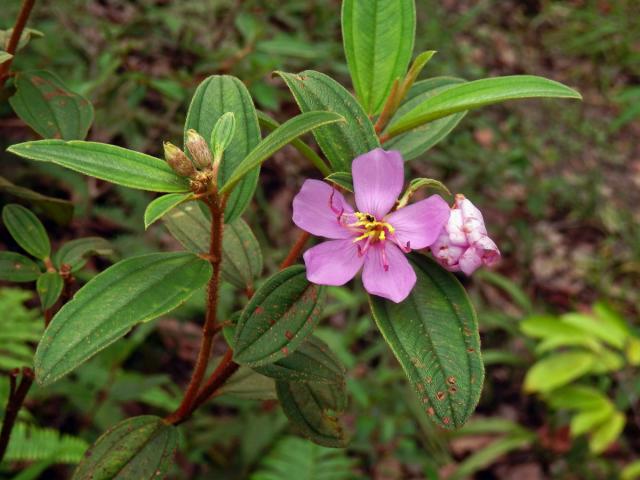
(479, 93)
(378, 43)
(241, 255)
(49, 287)
(139, 447)
(278, 318)
(106, 162)
(604, 327)
(313, 361)
(132, 291)
(45, 103)
(340, 142)
(222, 133)
(434, 336)
(18, 268)
(277, 139)
(417, 141)
(75, 252)
(341, 179)
(607, 433)
(557, 370)
(312, 407)
(161, 205)
(190, 225)
(26, 230)
(214, 97)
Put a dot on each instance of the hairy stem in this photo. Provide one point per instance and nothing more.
(14, 403)
(220, 375)
(294, 253)
(216, 206)
(18, 28)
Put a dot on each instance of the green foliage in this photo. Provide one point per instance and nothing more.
(214, 97)
(222, 134)
(278, 318)
(378, 42)
(106, 162)
(292, 457)
(163, 204)
(59, 210)
(431, 332)
(75, 252)
(20, 330)
(26, 230)
(18, 268)
(340, 142)
(30, 443)
(132, 291)
(49, 287)
(139, 447)
(45, 103)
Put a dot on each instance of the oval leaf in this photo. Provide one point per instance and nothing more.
(278, 318)
(44, 103)
(139, 447)
(557, 370)
(434, 336)
(312, 407)
(281, 136)
(106, 162)
(479, 93)
(214, 97)
(161, 205)
(241, 255)
(132, 291)
(378, 43)
(340, 142)
(417, 141)
(313, 361)
(49, 287)
(75, 252)
(18, 268)
(26, 230)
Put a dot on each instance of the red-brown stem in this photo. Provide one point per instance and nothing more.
(14, 403)
(389, 108)
(384, 138)
(220, 375)
(21, 21)
(216, 206)
(294, 253)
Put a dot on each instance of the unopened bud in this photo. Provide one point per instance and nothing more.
(198, 149)
(178, 161)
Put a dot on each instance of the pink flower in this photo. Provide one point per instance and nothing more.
(464, 244)
(374, 236)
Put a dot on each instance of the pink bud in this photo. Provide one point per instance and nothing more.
(463, 244)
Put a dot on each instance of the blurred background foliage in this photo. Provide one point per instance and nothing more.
(558, 183)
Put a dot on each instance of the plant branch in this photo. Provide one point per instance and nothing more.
(294, 253)
(390, 107)
(216, 206)
(14, 403)
(220, 375)
(18, 28)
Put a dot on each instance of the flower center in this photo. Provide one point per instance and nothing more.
(371, 229)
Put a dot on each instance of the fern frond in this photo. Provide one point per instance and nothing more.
(31, 443)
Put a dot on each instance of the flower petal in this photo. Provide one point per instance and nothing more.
(377, 181)
(446, 254)
(470, 261)
(488, 250)
(473, 222)
(333, 263)
(394, 283)
(316, 209)
(418, 225)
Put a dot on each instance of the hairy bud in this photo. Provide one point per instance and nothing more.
(198, 149)
(178, 161)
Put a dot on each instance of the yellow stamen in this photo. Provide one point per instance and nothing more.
(370, 228)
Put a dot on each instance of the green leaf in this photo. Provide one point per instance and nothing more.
(557, 370)
(278, 318)
(602, 327)
(106, 162)
(248, 384)
(4, 56)
(30, 443)
(242, 261)
(75, 252)
(61, 211)
(25, 37)
(434, 336)
(18, 268)
(26, 230)
(378, 43)
(340, 142)
(43, 102)
(241, 255)
(312, 407)
(586, 420)
(341, 179)
(576, 397)
(222, 133)
(161, 205)
(277, 139)
(631, 471)
(49, 287)
(132, 291)
(607, 433)
(139, 447)
(214, 97)
(313, 361)
(479, 93)
(417, 141)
